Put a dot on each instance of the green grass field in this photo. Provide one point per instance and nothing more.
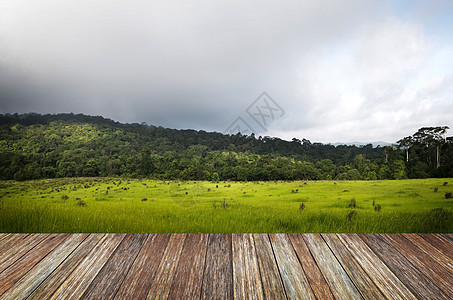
(149, 206)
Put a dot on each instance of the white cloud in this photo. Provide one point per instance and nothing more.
(342, 70)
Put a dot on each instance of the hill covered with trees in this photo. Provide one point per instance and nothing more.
(34, 146)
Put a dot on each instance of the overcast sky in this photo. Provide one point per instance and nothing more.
(338, 70)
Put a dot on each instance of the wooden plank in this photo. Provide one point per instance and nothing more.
(18, 246)
(15, 271)
(54, 280)
(28, 283)
(448, 236)
(3, 236)
(189, 274)
(362, 281)
(432, 251)
(317, 282)
(293, 276)
(79, 280)
(270, 276)
(167, 268)
(422, 261)
(246, 273)
(218, 273)
(420, 285)
(9, 240)
(141, 275)
(109, 279)
(440, 243)
(385, 280)
(338, 280)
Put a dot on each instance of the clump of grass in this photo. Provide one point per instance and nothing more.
(445, 183)
(144, 199)
(435, 189)
(353, 203)
(64, 197)
(302, 206)
(448, 195)
(378, 208)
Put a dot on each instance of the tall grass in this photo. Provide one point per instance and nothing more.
(118, 205)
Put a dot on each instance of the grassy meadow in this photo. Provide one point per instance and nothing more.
(150, 206)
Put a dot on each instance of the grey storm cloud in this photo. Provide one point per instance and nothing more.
(341, 70)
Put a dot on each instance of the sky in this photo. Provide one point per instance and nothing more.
(327, 71)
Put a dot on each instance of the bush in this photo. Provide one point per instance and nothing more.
(448, 195)
(353, 204)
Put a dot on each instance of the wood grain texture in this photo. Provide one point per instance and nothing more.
(28, 283)
(270, 276)
(444, 245)
(362, 281)
(246, 273)
(3, 236)
(53, 282)
(432, 251)
(338, 280)
(420, 285)
(293, 276)
(422, 261)
(18, 246)
(109, 279)
(218, 273)
(138, 281)
(385, 280)
(448, 235)
(79, 280)
(189, 274)
(317, 282)
(15, 271)
(160, 288)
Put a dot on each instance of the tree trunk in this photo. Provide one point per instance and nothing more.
(438, 156)
(407, 154)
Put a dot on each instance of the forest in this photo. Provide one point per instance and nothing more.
(35, 146)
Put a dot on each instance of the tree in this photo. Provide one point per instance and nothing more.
(432, 136)
(405, 143)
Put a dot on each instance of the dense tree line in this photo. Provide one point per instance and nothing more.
(36, 146)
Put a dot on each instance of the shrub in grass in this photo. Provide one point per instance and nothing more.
(81, 203)
(353, 204)
(145, 199)
(350, 216)
(435, 189)
(302, 206)
(445, 183)
(64, 197)
(224, 205)
(448, 196)
(378, 208)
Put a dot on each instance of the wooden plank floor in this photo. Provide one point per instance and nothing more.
(226, 266)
